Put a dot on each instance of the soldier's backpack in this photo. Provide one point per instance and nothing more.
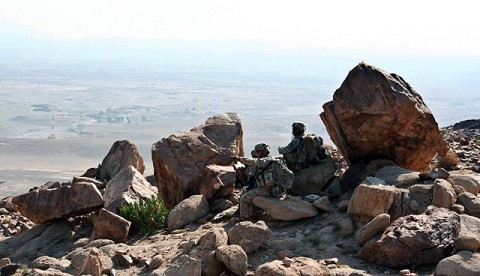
(283, 176)
(314, 146)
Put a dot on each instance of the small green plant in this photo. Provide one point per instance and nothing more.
(147, 215)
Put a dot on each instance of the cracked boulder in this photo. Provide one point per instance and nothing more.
(378, 115)
(179, 161)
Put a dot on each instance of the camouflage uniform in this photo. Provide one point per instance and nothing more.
(263, 174)
(295, 153)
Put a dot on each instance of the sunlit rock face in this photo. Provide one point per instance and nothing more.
(180, 161)
(378, 115)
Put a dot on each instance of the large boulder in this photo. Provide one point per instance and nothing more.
(375, 114)
(44, 205)
(127, 186)
(469, 234)
(179, 161)
(122, 154)
(110, 226)
(414, 240)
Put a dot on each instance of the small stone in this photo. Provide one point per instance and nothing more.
(332, 266)
(331, 261)
(285, 254)
(287, 261)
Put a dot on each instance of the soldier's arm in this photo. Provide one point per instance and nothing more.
(258, 162)
(293, 145)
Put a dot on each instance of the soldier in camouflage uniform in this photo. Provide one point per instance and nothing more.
(264, 179)
(295, 153)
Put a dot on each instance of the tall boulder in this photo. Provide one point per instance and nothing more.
(122, 154)
(179, 161)
(378, 115)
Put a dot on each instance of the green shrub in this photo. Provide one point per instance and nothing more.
(147, 215)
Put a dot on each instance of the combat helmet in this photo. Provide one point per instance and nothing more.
(299, 125)
(263, 147)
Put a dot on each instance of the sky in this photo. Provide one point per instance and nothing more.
(409, 26)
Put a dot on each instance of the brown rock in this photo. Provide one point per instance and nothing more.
(471, 203)
(443, 194)
(122, 154)
(414, 240)
(469, 234)
(250, 236)
(313, 179)
(377, 115)
(205, 250)
(369, 201)
(87, 261)
(377, 225)
(179, 161)
(183, 265)
(222, 181)
(42, 206)
(233, 257)
(111, 226)
(463, 263)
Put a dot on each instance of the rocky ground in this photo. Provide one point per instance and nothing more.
(327, 237)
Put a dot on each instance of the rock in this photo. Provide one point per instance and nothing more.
(458, 208)
(53, 239)
(367, 202)
(346, 226)
(99, 184)
(98, 243)
(314, 178)
(290, 208)
(467, 182)
(323, 204)
(301, 266)
(414, 240)
(250, 236)
(122, 155)
(375, 115)
(42, 206)
(463, 263)
(111, 226)
(205, 250)
(375, 226)
(187, 211)
(184, 265)
(233, 257)
(471, 203)
(347, 271)
(156, 262)
(443, 194)
(220, 205)
(222, 181)
(9, 269)
(4, 262)
(43, 262)
(87, 261)
(397, 176)
(421, 196)
(127, 186)
(180, 160)
(225, 215)
(469, 234)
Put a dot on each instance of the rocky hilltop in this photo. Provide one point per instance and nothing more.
(401, 199)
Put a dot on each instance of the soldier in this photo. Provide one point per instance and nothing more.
(295, 153)
(263, 176)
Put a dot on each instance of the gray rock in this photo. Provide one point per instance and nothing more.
(290, 208)
(469, 234)
(463, 263)
(233, 257)
(188, 211)
(250, 236)
(111, 226)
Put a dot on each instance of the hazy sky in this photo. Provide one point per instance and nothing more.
(410, 26)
